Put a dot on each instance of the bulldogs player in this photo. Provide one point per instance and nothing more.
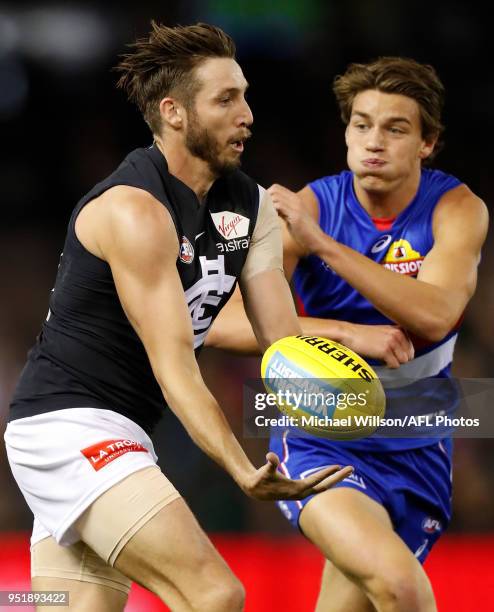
(384, 258)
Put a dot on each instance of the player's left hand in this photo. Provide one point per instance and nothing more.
(301, 225)
(270, 484)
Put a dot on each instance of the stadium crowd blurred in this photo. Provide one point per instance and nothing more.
(64, 127)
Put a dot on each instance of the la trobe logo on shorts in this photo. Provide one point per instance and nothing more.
(102, 453)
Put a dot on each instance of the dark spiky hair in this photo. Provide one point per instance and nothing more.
(163, 64)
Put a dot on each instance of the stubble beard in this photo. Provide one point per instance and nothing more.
(205, 146)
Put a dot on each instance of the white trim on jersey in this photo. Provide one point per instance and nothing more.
(424, 366)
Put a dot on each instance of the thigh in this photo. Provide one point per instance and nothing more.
(340, 594)
(173, 557)
(91, 583)
(144, 529)
(356, 534)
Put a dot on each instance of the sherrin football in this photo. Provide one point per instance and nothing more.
(323, 387)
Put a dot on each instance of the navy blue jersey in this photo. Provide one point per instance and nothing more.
(400, 245)
(88, 354)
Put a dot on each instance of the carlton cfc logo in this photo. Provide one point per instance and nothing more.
(186, 251)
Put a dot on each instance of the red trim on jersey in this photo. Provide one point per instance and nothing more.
(383, 223)
(421, 343)
(300, 306)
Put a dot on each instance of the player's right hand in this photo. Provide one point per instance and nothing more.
(269, 484)
(389, 343)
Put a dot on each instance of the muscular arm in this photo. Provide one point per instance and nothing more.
(430, 305)
(130, 230)
(232, 329)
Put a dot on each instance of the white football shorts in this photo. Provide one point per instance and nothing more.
(65, 459)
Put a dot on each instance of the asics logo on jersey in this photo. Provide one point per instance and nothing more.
(208, 290)
(381, 244)
(230, 224)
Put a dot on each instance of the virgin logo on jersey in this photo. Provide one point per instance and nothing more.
(208, 290)
(102, 453)
(237, 244)
(230, 224)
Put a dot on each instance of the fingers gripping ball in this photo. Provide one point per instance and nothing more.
(326, 388)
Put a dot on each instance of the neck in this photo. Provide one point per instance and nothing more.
(192, 171)
(387, 202)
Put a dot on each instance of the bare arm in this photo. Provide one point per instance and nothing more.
(232, 329)
(134, 233)
(430, 305)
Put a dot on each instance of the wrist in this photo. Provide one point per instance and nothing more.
(243, 474)
(344, 332)
(323, 246)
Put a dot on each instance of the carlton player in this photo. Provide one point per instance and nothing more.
(152, 254)
(384, 258)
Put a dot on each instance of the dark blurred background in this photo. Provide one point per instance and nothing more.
(64, 127)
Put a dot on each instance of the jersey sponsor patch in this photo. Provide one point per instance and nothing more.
(402, 258)
(230, 224)
(102, 453)
(186, 250)
(237, 244)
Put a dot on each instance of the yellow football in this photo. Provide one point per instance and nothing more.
(324, 387)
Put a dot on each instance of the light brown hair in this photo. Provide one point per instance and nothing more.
(396, 75)
(163, 64)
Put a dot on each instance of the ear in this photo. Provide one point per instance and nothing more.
(172, 113)
(427, 147)
(346, 133)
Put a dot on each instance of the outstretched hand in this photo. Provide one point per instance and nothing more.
(268, 483)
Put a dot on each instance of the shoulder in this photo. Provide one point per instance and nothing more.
(238, 180)
(460, 201)
(328, 189)
(131, 217)
(238, 193)
(332, 182)
(321, 193)
(461, 209)
(438, 179)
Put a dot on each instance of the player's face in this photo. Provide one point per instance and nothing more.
(384, 139)
(218, 123)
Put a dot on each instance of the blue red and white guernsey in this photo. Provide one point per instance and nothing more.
(409, 476)
(399, 244)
